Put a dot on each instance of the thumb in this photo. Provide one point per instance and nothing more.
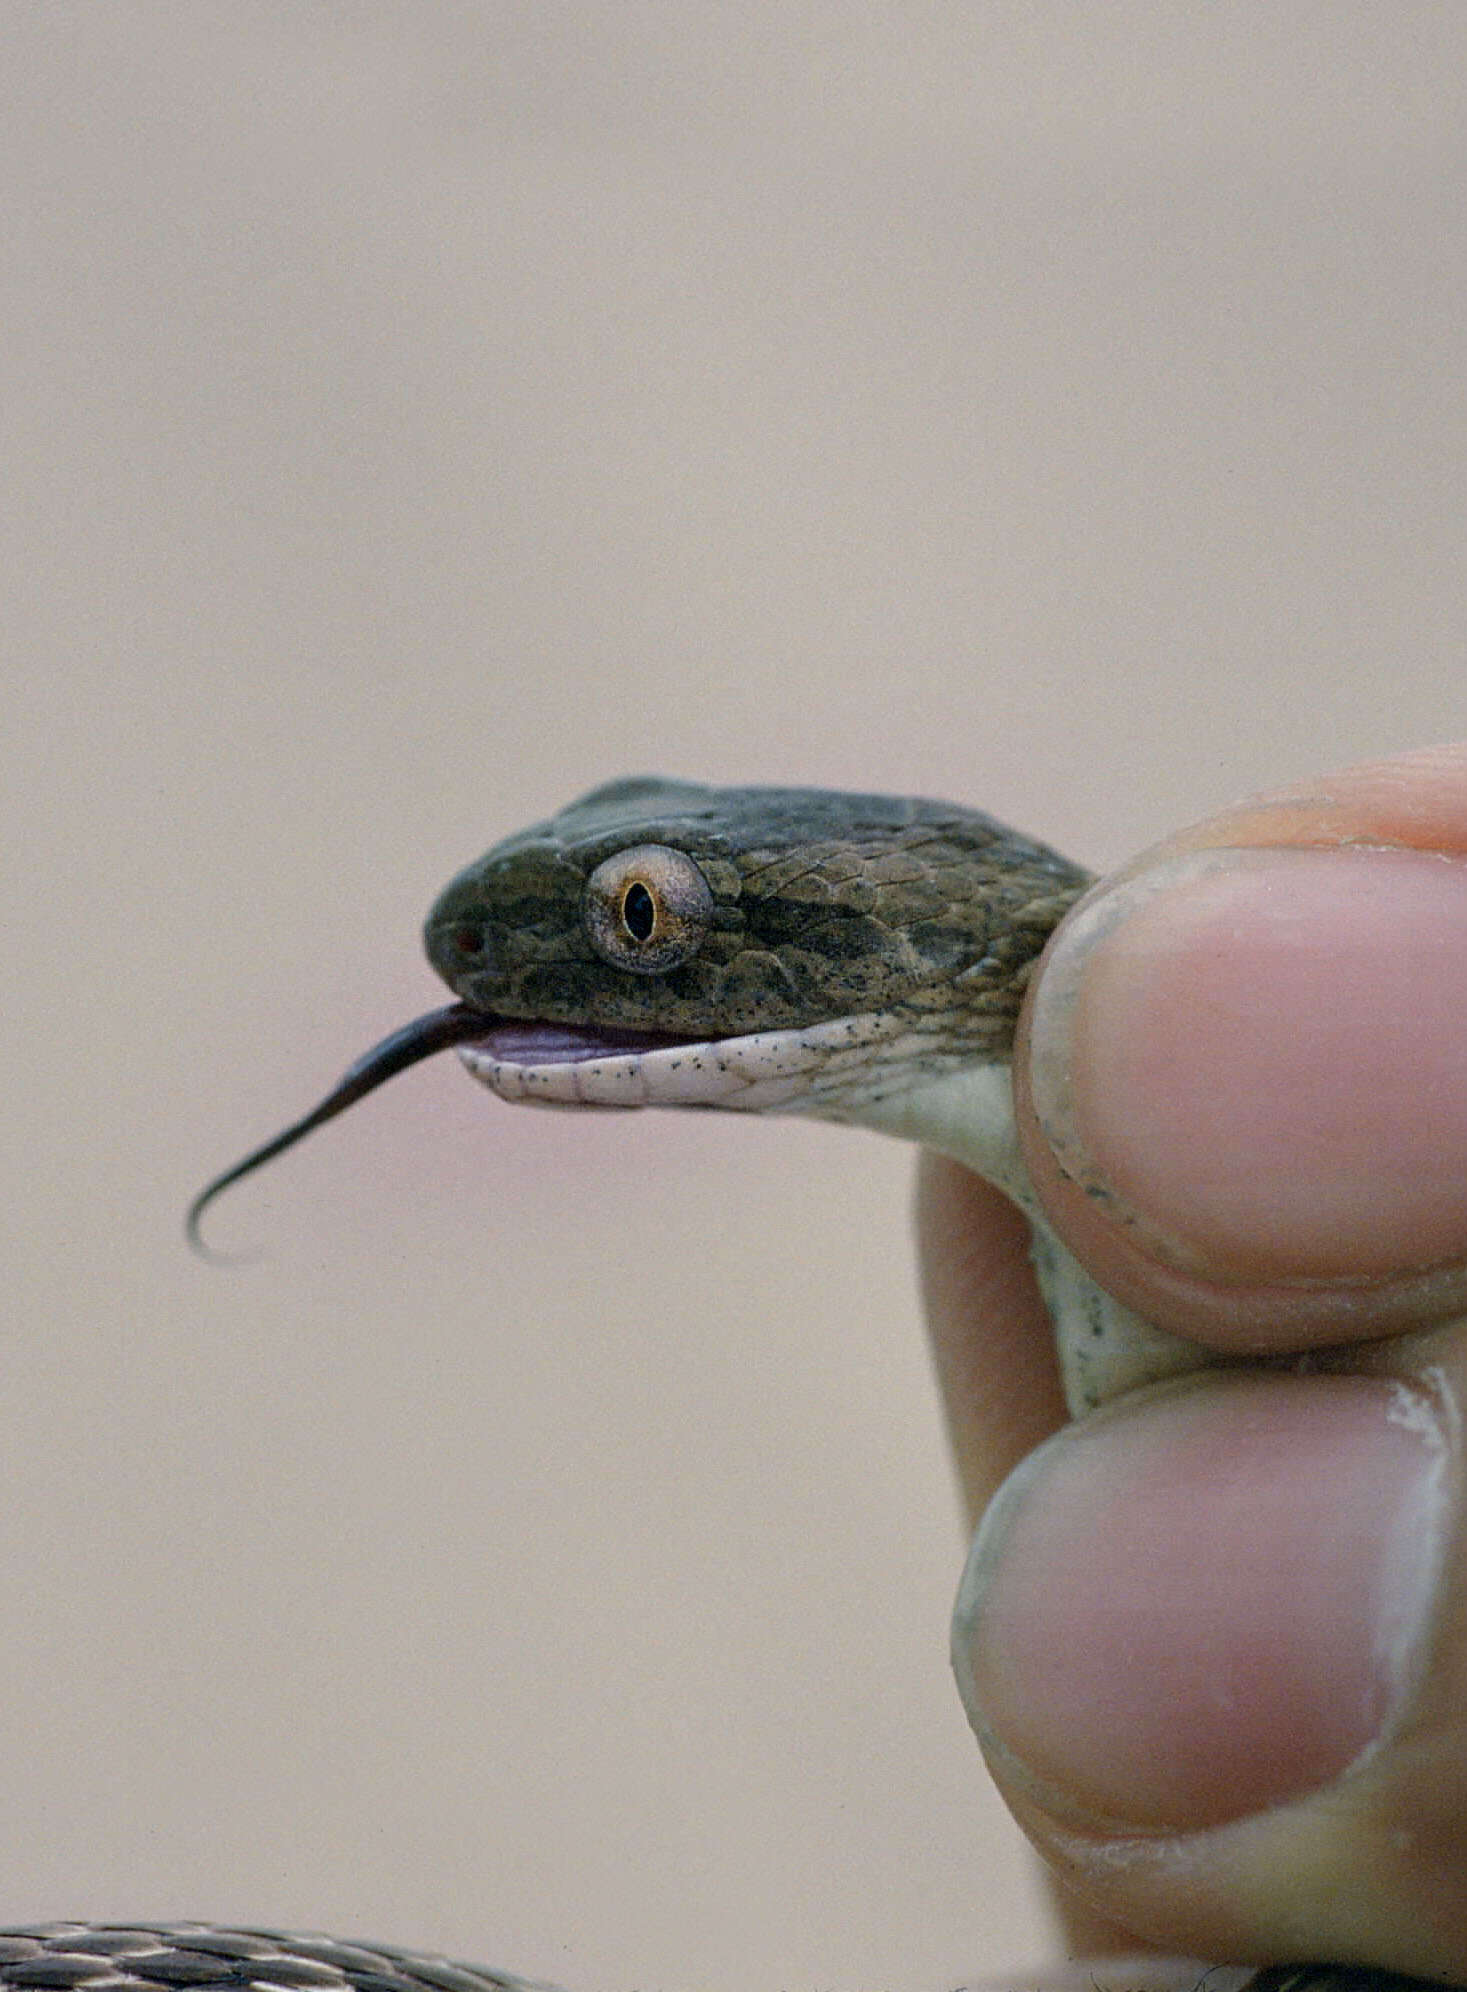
(1211, 1641)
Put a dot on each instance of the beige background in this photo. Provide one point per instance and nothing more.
(413, 414)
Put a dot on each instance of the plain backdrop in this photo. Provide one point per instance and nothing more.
(412, 414)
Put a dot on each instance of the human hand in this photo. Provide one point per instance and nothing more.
(1213, 1638)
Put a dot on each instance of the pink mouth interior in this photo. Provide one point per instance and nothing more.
(568, 1044)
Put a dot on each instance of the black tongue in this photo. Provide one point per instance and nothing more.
(454, 1024)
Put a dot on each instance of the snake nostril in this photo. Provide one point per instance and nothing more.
(466, 941)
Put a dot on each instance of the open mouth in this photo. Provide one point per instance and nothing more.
(557, 1064)
(518, 1042)
(563, 1065)
(566, 1065)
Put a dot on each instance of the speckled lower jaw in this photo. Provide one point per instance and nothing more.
(558, 1065)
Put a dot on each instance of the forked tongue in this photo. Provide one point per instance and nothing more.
(454, 1024)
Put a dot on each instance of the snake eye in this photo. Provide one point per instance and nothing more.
(647, 909)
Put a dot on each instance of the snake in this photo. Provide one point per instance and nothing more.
(856, 958)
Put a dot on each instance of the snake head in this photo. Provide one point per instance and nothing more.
(711, 912)
(664, 943)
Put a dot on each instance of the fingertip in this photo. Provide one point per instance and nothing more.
(1242, 1092)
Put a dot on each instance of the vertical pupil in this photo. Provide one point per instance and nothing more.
(639, 912)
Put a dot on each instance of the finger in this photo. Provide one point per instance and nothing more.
(992, 1342)
(1213, 1641)
(1242, 1078)
(993, 1352)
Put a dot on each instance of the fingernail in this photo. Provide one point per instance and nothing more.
(1257, 1060)
(1180, 1612)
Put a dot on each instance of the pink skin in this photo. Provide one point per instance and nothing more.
(1265, 1068)
(1253, 1558)
(1270, 1066)
(1215, 1640)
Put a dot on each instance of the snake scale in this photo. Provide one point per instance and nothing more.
(858, 958)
